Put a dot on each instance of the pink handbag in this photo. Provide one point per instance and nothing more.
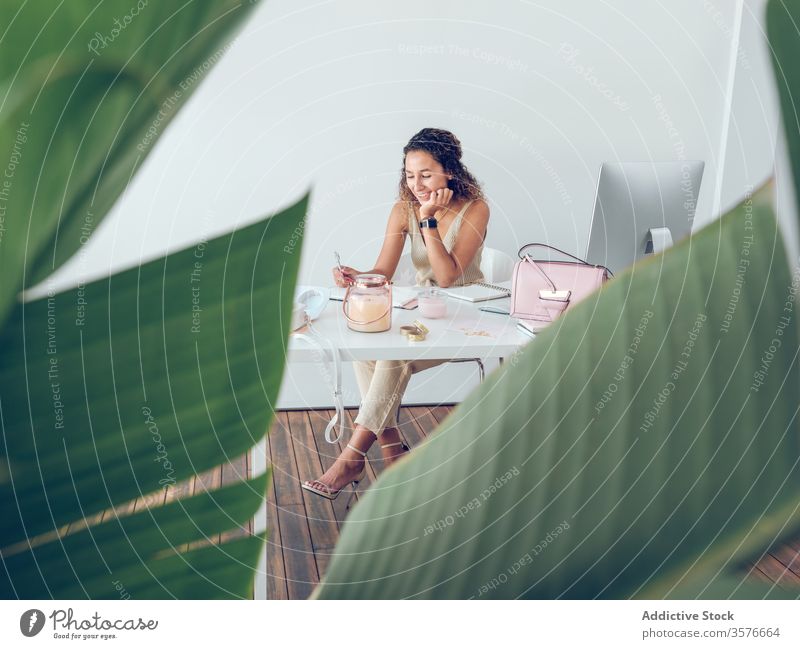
(542, 290)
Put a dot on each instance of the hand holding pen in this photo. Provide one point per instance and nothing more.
(343, 275)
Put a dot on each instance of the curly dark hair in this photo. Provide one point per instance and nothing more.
(446, 150)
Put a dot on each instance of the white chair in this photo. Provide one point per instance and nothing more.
(496, 266)
(405, 274)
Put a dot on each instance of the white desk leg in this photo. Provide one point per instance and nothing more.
(258, 456)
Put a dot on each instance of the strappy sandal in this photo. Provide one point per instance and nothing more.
(329, 493)
(401, 444)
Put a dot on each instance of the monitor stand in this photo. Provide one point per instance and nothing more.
(658, 240)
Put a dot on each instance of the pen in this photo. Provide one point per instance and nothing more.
(493, 309)
(339, 266)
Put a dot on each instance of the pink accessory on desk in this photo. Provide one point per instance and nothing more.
(432, 303)
(542, 290)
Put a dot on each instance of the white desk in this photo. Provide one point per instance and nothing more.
(465, 333)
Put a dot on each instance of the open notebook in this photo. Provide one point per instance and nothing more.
(402, 297)
(479, 292)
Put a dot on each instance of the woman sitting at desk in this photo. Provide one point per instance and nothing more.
(442, 207)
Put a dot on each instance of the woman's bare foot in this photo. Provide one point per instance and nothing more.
(347, 466)
(343, 471)
(392, 446)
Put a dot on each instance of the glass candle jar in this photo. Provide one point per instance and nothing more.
(432, 303)
(367, 304)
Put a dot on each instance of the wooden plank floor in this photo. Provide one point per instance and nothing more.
(303, 529)
(234, 471)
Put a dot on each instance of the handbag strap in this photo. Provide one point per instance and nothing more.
(545, 245)
(558, 250)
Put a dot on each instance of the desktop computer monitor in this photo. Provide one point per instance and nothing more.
(641, 208)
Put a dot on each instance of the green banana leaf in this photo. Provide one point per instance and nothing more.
(783, 31)
(140, 555)
(112, 390)
(86, 89)
(649, 435)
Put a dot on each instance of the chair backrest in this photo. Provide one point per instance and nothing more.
(406, 274)
(496, 266)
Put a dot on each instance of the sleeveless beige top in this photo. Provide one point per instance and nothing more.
(419, 252)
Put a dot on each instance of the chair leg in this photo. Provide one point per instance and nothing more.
(481, 375)
(481, 369)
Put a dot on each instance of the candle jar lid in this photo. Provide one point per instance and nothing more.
(431, 294)
(370, 280)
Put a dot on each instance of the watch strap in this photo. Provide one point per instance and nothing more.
(430, 222)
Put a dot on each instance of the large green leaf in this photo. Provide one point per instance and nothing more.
(128, 554)
(83, 100)
(649, 434)
(783, 29)
(112, 390)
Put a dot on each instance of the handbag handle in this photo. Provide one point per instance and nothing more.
(563, 252)
(545, 245)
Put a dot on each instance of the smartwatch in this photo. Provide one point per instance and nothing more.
(430, 222)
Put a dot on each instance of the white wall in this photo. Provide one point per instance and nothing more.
(324, 95)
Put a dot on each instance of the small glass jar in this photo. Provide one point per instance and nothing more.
(367, 304)
(432, 303)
